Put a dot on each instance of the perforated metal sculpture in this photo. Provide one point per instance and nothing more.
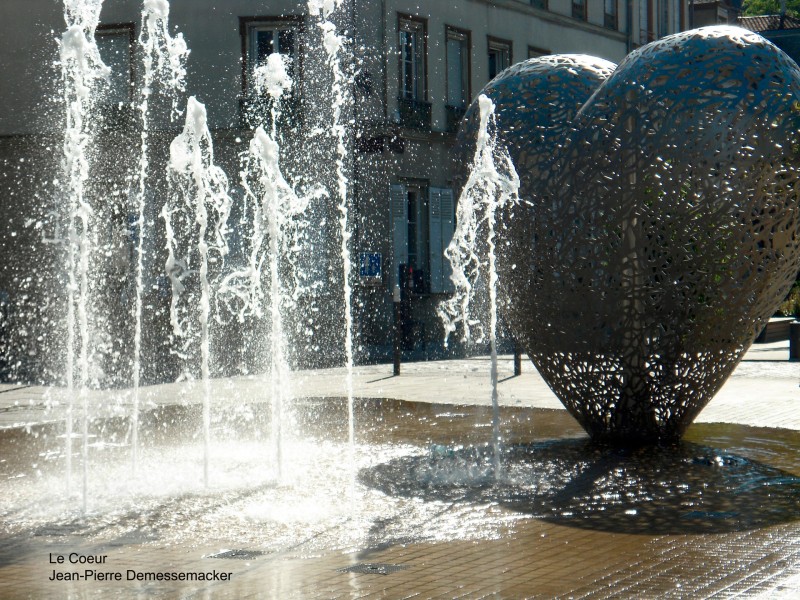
(660, 223)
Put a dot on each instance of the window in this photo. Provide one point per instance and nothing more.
(401, 218)
(411, 44)
(645, 21)
(458, 74)
(423, 224)
(534, 52)
(412, 109)
(50, 228)
(416, 227)
(414, 198)
(541, 4)
(499, 56)
(262, 37)
(610, 14)
(579, 9)
(115, 43)
(663, 18)
(441, 226)
(458, 94)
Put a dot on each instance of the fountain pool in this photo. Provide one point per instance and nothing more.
(728, 496)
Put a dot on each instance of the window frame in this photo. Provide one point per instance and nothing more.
(583, 13)
(494, 44)
(464, 36)
(410, 24)
(647, 33)
(536, 52)
(540, 4)
(420, 224)
(611, 20)
(248, 24)
(663, 18)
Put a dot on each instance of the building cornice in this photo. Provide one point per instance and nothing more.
(558, 19)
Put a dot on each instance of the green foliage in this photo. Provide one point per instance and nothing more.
(770, 7)
(791, 306)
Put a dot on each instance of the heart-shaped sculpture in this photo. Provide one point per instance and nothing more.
(660, 223)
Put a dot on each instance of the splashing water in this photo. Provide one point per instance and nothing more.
(273, 78)
(82, 72)
(278, 215)
(165, 55)
(195, 216)
(333, 44)
(164, 60)
(493, 184)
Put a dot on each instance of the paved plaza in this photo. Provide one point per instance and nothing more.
(228, 545)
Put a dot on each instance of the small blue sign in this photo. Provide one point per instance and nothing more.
(133, 228)
(371, 264)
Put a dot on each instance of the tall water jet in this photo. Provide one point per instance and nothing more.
(82, 71)
(195, 218)
(492, 184)
(333, 44)
(278, 215)
(164, 59)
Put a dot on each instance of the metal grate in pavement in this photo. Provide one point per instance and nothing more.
(373, 568)
(238, 554)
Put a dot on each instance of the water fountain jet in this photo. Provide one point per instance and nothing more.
(492, 186)
(82, 72)
(164, 64)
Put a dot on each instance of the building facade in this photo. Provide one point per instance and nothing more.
(414, 68)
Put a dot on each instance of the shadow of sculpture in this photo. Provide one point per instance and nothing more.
(684, 488)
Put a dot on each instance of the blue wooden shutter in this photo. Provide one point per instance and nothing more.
(448, 228)
(398, 197)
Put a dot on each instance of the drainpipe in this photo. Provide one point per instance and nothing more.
(354, 36)
(385, 53)
(629, 25)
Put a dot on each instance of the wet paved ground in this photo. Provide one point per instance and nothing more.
(322, 535)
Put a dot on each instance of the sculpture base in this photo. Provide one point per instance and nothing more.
(622, 400)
